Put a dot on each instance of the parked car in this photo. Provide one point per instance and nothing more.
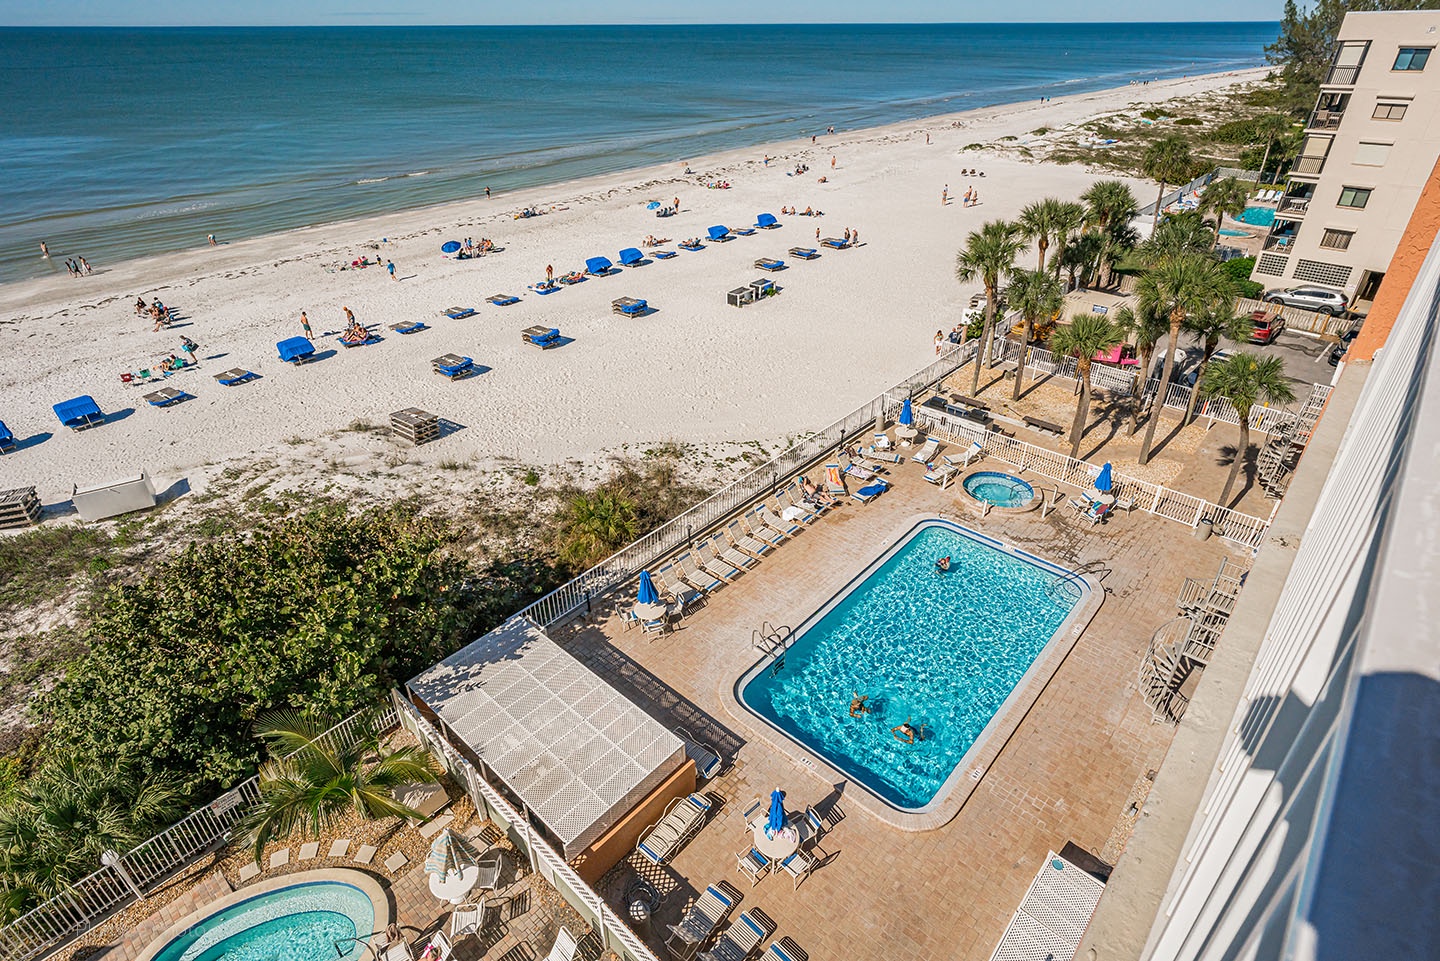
(1337, 353)
(1267, 326)
(1320, 299)
(1122, 354)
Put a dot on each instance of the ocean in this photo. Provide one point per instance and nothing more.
(122, 142)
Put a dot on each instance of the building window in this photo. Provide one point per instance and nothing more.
(1316, 272)
(1356, 197)
(1389, 111)
(1412, 58)
(1337, 239)
(1372, 154)
(1271, 264)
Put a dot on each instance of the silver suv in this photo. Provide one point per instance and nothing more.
(1309, 298)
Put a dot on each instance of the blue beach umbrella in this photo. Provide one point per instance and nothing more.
(777, 811)
(907, 416)
(652, 205)
(1103, 482)
(648, 594)
(450, 246)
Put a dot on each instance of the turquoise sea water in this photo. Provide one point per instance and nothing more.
(942, 650)
(306, 922)
(123, 142)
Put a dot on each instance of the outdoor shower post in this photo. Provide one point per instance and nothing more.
(113, 861)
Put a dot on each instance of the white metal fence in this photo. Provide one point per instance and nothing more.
(95, 897)
(613, 933)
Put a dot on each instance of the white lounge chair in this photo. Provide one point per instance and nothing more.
(700, 580)
(729, 554)
(705, 556)
(927, 453)
(787, 950)
(758, 524)
(682, 820)
(701, 920)
(743, 938)
(745, 543)
(707, 759)
(942, 475)
(963, 459)
(564, 947)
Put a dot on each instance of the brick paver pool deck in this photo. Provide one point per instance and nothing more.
(1064, 776)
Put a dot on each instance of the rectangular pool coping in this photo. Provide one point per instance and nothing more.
(962, 781)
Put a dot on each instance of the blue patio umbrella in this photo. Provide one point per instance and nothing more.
(648, 594)
(907, 416)
(1103, 482)
(777, 811)
(450, 246)
(652, 205)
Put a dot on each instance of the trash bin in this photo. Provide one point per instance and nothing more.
(1204, 529)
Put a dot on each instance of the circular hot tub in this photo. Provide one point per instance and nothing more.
(1002, 492)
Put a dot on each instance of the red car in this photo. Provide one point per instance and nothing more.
(1122, 354)
(1267, 326)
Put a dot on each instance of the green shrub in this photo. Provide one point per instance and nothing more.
(40, 563)
(1239, 271)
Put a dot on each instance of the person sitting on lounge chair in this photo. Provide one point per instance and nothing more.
(355, 333)
(815, 494)
(858, 707)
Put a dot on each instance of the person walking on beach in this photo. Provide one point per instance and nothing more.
(855, 237)
(817, 233)
(945, 196)
(939, 342)
(85, 265)
(677, 205)
(44, 250)
(74, 271)
(549, 275)
(211, 239)
(974, 197)
(390, 266)
(305, 323)
(349, 317)
(487, 193)
(832, 161)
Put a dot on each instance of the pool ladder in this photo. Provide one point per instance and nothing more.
(772, 642)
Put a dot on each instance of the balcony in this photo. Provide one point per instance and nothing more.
(1342, 76)
(1279, 243)
(1325, 120)
(1293, 205)
(1308, 166)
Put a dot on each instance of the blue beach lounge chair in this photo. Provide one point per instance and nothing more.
(766, 222)
(598, 267)
(545, 287)
(691, 246)
(629, 307)
(409, 327)
(295, 350)
(502, 300)
(453, 366)
(834, 243)
(7, 439)
(458, 313)
(79, 413)
(233, 376)
(719, 234)
(804, 253)
(632, 257)
(875, 487)
(542, 337)
(371, 339)
(770, 264)
(744, 231)
(166, 396)
(663, 254)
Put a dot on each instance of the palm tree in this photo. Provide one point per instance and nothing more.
(1225, 197)
(311, 781)
(1085, 336)
(595, 525)
(65, 816)
(1069, 220)
(1245, 379)
(1037, 294)
(1168, 161)
(1270, 128)
(1042, 222)
(1182, 233)
(1110, 205)
(1146, 327)
(988, 254)
(1080, 258)
(1178, 287)
(1209, 327)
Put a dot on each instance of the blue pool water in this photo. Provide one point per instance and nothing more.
(999, 489)
(943, 650)
(1228, 232)
(303, 922)
(1258, 216)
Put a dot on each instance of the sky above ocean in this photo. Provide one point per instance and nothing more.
(165, 136)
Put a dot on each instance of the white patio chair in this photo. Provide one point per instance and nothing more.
(467, 919)
(564, 947)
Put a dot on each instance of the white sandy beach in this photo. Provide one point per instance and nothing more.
(845, 326)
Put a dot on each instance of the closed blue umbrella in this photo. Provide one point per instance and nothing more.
(648, 594)
(907, 416)
(450, 246)
(777, 811)
(1103, 482)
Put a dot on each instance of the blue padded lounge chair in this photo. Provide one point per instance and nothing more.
(629, 306)
(233, 376)
(7, 439)
(79, 413)
(766, 222)
(453, 366)
(663, 254)
(542, 337)
(632, 257)
(502, 300)
(719, 234)
(770, 264)
(804, 253)
(295, 350)
(835, 243)
(598, 267)
(874, 488)
(458, 313)
(166, 396)
(371, 339)
(744, 231)
(409, 327)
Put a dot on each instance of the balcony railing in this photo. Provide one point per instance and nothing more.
(1279, 243)
(1325, 119)
(1308, 165)
(1342, 75)
(1293, 205)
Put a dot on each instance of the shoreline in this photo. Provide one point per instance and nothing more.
(697, 371)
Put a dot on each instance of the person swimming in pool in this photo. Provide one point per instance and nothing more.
(943, 564)
(907, 732)
(858, 707)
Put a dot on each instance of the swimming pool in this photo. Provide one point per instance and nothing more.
(946, 651)
(1229, 232)
(999, 489)
(1257, 216)
(314, 921)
